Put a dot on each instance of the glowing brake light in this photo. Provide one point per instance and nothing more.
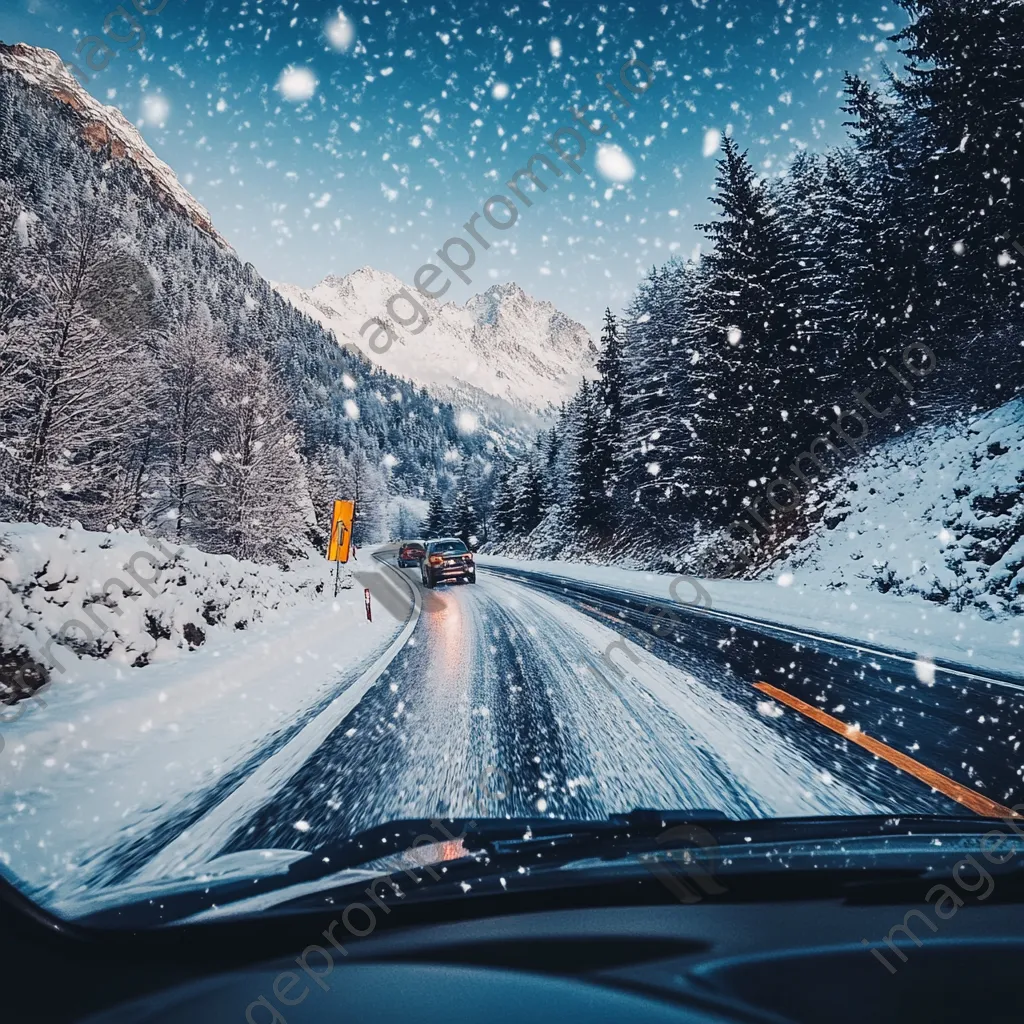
(436, 560)
(468, 557)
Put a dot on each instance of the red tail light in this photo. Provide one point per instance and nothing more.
(436, 560)
(468, 558)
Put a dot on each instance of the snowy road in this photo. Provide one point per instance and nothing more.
(498, 699)
(502, 678)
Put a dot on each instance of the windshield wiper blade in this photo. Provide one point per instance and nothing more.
(484, 850)
(610, 838)
(465, 836)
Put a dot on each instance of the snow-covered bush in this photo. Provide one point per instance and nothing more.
(69, 594)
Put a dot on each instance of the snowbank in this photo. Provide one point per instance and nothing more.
(906, 625)
(69, 595)
(937, 514)
(120, 746)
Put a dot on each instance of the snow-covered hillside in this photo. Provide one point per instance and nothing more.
(502, 343)
(938, 513)
(104, 127)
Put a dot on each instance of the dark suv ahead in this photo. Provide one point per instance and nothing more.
(410, 553)
(447, 559)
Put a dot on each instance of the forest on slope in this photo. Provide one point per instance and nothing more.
(872, 289)
(151, 380)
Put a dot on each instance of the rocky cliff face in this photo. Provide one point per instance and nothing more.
(104, 128)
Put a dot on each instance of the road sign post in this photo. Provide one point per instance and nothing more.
(340, 545)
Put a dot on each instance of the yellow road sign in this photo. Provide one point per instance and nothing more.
(341, 531)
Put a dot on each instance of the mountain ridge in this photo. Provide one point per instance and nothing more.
(502, 342)
(105, 127)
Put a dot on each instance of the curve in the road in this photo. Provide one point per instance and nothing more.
(500, 675)
(206, 837)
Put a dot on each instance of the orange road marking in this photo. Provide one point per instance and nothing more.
(598, 611)
(942, 783)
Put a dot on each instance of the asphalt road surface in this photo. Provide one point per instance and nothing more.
(504, 702)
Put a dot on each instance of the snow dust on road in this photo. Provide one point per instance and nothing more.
(499, 679)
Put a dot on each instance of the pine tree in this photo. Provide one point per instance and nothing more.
(608, 427)
(465, 521)
(505, 511)
(965, 86)
(670, 406)
(438, 518)
(887, 290)
(584, 506)
(749, 302)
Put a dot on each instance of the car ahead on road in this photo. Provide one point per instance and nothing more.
(411, 553)
(447, 559)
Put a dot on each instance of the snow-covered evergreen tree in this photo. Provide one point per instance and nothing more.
(965, 86)
(438, 517)
(465, 518)
(608, 396)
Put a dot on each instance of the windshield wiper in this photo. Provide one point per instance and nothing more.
(464, 837)
(552, 840)
(458, 854)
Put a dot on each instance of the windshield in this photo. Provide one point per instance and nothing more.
(448, 547)
(699, 325)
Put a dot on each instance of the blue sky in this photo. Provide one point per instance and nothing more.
(430, 107)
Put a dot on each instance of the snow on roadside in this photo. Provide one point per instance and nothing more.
(128, 599)
(909, 625)
(937, 514)
(114, 745)
(921, 551)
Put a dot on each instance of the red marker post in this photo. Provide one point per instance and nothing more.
(366, 601)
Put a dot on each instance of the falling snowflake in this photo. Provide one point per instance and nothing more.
(155, 109)
(297, 84)
(614, 164)
(924, 669)
(340, 32)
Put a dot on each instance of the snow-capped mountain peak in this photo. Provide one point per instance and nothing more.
(104, 127)
(502, 343)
